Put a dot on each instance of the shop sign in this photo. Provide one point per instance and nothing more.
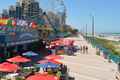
(21, 42)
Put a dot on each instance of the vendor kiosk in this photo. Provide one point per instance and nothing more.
(15, 35)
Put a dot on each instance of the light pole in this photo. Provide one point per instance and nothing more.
(93, 29)
(86, 31)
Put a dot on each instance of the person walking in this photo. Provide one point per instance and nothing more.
(83, 49)
(86, 49)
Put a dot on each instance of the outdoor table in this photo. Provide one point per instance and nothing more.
(29, 67)
(11, 75)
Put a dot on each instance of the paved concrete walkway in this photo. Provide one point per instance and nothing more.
(89, 66)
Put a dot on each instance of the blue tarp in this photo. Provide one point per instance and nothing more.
(47, 65)
(30, 53)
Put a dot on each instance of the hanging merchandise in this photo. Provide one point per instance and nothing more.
(1, 27)
(33, 25)
(3, 21)
(13, 23)
(19, 22)
(0, 22)
(4, 28)
(9, 23)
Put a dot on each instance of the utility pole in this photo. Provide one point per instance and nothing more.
(83, 31)
(86, 30)
(93, 27)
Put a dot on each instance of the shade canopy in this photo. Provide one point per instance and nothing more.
(30, 53)
(42, 77)
(8, 67)
(47, 65)
(57, 42)
(55, 61)
(50, 60)
(53, 57)
(63, 41)
(19, 59)
(68, 42)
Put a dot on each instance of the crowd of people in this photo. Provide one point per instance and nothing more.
(84, 49)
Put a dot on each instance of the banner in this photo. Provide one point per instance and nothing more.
(17, 24)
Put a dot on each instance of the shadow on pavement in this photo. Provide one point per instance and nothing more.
(71, 78)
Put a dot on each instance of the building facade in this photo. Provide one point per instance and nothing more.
(30, 8)
(18, 10)
(25, 9)
(5, 13)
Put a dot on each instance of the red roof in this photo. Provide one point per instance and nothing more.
(19, 59)
(42, 77)
(53, 57)
(8, 67)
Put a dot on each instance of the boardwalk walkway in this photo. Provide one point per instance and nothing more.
(89, 66)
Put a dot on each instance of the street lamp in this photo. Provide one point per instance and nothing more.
(86, 31)
(93, 29)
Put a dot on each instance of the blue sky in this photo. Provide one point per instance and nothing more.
(106, 12)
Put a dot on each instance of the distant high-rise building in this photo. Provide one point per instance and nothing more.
(0, 15)
(35, 9)
(12, 11)
(5, 13)
(30, 8)
(26, 9)
(18, 11)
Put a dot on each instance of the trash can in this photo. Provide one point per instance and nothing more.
(119, 67)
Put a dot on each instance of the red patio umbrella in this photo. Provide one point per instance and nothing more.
(55, 61)
(19, 59)
(68, 42)
(42, 77)
(49, 60)
(53, 57)
(58, 43)
(8, 67)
